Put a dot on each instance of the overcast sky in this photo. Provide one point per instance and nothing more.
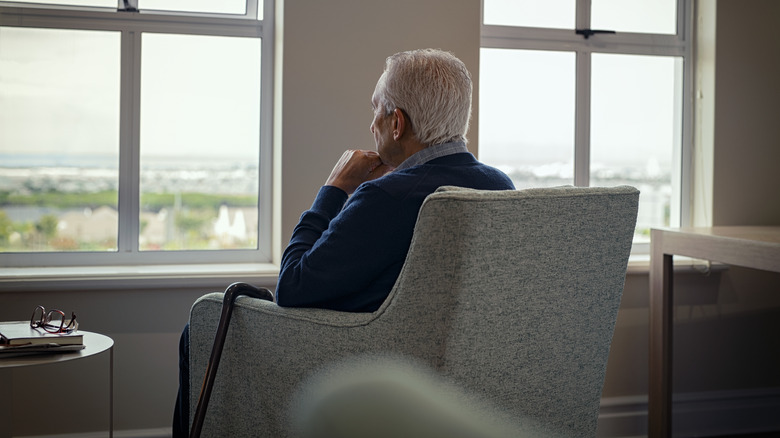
(59, 93)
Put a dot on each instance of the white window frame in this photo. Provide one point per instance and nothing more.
(131, 25)
(679, 45)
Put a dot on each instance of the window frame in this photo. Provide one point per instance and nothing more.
(625, 43)
(131, 25)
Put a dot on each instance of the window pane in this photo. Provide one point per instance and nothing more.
(559, 14)
(642, 16)
(634, 130)
(59, 139)
(207, 6)
(198, 6)
(100, 3)
(200, 137)
(526, 123)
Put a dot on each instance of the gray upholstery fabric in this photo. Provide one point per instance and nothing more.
(510, 295)
(389, 397)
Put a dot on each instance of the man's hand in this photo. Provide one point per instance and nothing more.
(356, 167)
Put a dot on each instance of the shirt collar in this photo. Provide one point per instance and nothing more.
(433, 152)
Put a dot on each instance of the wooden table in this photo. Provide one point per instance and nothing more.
(94, 343)
(748, 246)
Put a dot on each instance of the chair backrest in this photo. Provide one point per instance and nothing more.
(521, 290)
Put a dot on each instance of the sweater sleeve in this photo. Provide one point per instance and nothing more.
(335, 253)
(313, 222)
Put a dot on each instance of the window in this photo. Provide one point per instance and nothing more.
(590, 93)
(138, 135)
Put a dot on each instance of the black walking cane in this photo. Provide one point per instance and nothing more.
(231, 293)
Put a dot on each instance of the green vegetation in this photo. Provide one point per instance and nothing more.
(157, 201)
(47, 226)
(62, 200)
(40, 236)
(6, 228)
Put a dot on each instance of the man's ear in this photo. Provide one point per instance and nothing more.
(400, 124)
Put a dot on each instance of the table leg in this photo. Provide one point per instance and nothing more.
(6, 404)
(111, 392)
(661, 324)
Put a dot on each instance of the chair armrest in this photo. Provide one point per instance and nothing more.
(268, 352)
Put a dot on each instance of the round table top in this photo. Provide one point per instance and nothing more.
(94, 343)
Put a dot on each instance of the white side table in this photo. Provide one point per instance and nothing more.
(94, 343)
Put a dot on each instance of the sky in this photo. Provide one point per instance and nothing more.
(654, 16)
(527, 106)
(59, 93)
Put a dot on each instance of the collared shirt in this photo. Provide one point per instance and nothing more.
(433, 152)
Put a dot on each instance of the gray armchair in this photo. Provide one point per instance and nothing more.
(511, 296)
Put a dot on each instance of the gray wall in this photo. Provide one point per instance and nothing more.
(333, 53)
(747, 132)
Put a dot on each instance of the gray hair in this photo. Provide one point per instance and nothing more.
(433, 88)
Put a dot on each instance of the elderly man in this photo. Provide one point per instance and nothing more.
(346, 252)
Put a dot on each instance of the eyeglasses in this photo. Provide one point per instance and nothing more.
(53, 321)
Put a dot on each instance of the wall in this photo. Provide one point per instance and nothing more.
(747, 132)
(333, 53)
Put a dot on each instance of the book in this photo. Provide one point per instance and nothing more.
(20, 333)
(8, 351)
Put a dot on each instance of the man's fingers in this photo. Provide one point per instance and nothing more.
(354, 168)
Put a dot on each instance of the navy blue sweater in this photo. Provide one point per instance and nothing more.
(347, 254)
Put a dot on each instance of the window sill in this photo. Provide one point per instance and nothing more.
(639, 264)
(216, 276)
(136, 277)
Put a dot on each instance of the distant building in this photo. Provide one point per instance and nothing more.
(89, 225)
